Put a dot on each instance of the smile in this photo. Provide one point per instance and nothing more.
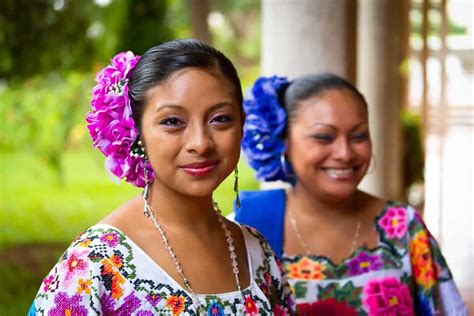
(340, 173)
(200, 168)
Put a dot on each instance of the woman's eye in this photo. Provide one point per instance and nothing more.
(360, 136)
(221, 119)
(325, 138)
(171, 121)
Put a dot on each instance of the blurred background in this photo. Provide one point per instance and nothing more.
(413, 60)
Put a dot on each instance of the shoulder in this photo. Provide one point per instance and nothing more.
(256, 205)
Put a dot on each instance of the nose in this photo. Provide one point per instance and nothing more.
(198, 140)
(343, 150)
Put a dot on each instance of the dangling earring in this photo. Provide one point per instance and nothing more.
(236, 187)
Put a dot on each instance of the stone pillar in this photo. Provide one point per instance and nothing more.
(382, 52)
(307, 36)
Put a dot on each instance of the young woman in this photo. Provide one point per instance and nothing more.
(346, 252)
(171, 122)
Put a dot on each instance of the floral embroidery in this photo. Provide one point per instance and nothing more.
(422, 261)
(112, 279)
(66, 305)
(76, 264)
(130, 304)
(250, 306)
(326, 307)
(364, 263)
(387, 297)
(109, 275)
(47, 282)
(394, 222)
(306, 269)
(110, 239)
(84, 286)
(176, 304)
(215, 309)
(153, 299)
(411, 263)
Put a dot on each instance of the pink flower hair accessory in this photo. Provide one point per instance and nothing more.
(110, 121)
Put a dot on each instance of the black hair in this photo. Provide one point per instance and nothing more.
(161, 61)
(305, 87)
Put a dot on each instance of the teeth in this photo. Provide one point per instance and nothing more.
(340, 173)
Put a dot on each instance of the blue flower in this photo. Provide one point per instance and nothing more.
(265, 122)
(215, 309)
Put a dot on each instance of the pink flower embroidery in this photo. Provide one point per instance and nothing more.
(47, 282)
(394, 222)
(68, 305)
(111, 239)
(387, 297)
(76, 264)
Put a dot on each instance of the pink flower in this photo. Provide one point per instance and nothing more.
(75, 264)
(68, 305)
(387, 297)
(110, 122)
(394, 222)
(111, 239)
(47, 282)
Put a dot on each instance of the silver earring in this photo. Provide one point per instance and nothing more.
(236, 186)
(284, 165)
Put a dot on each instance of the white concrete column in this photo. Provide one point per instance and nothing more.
(307, 36)
(382, 48)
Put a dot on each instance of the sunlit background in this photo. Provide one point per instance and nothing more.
(53, 184)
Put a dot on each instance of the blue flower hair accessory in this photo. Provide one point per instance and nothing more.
(265, 123)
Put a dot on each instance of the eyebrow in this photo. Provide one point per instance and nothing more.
(179, 107)
(334, 127)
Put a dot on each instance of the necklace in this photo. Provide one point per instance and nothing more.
(147, 210)
(305, 245)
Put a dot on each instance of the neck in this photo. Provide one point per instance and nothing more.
(310, 203)
(175, 209)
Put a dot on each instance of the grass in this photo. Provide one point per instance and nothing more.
(39, 216)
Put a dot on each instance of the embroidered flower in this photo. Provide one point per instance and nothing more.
(306, 269)
(84, 286)
(116, 261)
(47, 282)
(75, 264)
(153, 299)
(111, 239)
(264, 126)
(326, 307)
(424, 268)
(387, 297)
(65, 305)
(130, 304)
(279, 310)
(176, 304)
(394, 222)
(250, 307)
(112, 279)
(363, 263)
(110, 121)
(215, 309)
(85, 243)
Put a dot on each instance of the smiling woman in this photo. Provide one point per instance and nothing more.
(171, 122)
(346, 252)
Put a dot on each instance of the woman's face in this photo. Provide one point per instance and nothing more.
(191, 128)
(329, 144)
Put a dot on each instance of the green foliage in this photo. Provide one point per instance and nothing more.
(413, 155)
(144, 25)
(45, 117)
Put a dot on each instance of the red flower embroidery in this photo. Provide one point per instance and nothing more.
(250, 307)
(326, 307)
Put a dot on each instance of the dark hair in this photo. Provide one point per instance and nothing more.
(161, 61)
(308, 86)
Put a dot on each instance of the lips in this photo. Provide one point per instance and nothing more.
(200, 168)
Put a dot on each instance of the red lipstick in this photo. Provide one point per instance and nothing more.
(199, 168)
